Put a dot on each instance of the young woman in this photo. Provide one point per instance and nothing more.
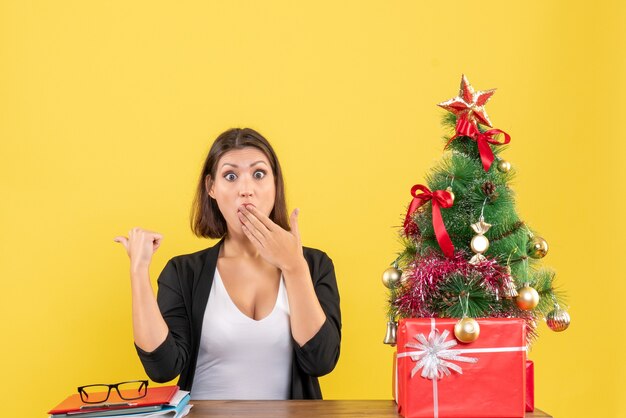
(257, 315)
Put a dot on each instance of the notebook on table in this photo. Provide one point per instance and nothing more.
(155, 398)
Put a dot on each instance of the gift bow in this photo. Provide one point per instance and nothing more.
(465, 127)
(440, 199)
(435, 356)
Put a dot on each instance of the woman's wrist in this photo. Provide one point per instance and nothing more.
(139, 272)
(295, 266)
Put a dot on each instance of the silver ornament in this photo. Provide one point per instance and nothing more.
(558, 320)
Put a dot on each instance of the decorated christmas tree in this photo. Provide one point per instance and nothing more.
(466, 251)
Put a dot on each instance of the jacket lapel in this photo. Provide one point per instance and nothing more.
(201, 290)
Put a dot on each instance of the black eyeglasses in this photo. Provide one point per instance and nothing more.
(130, 390)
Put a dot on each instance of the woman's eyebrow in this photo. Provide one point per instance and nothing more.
(251, 165)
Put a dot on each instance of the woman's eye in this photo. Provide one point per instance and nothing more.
(259, 174)
(230, 177)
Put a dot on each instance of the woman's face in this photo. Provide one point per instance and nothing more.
(243, 176)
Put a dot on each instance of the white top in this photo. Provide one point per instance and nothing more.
(239, 357)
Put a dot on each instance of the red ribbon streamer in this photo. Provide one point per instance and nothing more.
(440, 199)
(465, 127)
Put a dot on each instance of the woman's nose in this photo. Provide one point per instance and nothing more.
(245, 188)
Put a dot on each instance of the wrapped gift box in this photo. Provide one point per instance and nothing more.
(530, 386)
(394, 379)
(438, 376)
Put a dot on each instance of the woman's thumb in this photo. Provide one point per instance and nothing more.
(122, 240)
(293, 222)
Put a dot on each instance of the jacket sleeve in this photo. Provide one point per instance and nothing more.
(320, 354)
(168, 360)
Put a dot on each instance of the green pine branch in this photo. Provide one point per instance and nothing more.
(464, 296)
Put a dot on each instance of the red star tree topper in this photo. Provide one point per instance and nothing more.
(469, 104)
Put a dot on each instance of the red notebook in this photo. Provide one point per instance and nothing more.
(156, 396)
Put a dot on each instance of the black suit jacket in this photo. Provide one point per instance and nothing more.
(184, 287)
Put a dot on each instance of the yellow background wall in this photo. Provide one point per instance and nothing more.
(108, 108)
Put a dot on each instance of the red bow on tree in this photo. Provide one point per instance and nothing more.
(466, 127)
(440, 199)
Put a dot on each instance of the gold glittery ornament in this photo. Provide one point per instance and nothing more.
(467, 330)
(537, 247)
(391, 277)
(527, 298)
(479, 243)
(449, 190)
(504, 166)
(558, 320)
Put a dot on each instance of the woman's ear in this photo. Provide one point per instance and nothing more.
(208, 185)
